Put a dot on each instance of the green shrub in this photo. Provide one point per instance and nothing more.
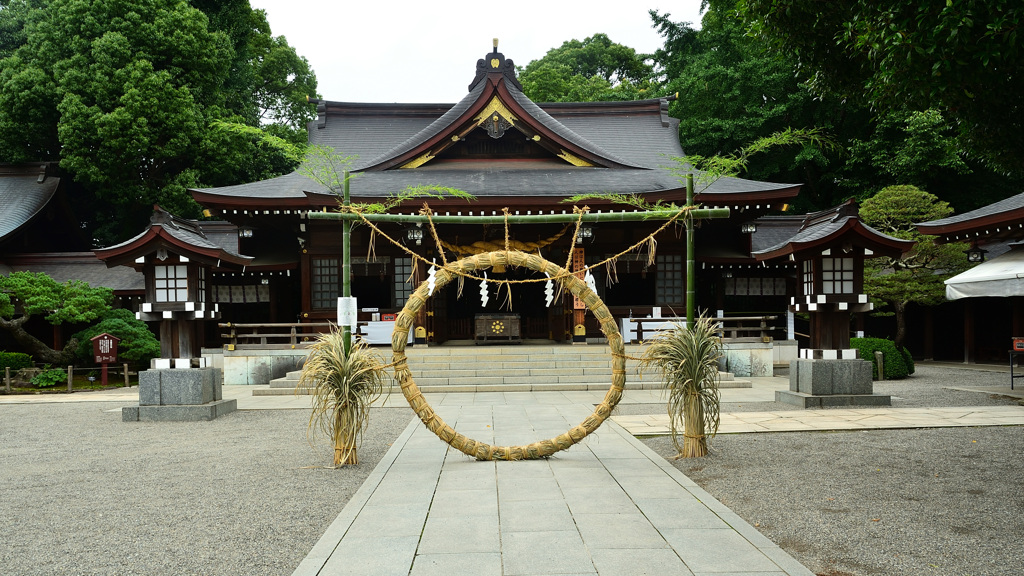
(137, 344)
(908, 360)
(48, 378)
(15, 361)
(895, 364)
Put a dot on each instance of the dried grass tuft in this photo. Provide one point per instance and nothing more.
(688, 361)
(344, 387)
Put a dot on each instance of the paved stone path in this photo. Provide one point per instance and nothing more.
(606, 506)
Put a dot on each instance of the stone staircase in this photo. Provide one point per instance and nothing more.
(511, 368)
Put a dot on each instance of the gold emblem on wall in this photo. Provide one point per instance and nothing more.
(494, 62)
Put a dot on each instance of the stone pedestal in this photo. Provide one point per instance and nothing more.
(179, 395)
(825, 383)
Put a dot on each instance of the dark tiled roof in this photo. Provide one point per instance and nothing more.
(187, 234)
(637, 137)
(84, 266)
(994, 209)
(774, 231)
(565, 132)
(23, 196)
(418, 138)
(819, 227)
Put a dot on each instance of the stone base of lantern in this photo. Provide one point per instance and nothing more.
(829, 383)
(179, 395)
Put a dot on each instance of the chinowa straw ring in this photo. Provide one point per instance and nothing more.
(481, 450)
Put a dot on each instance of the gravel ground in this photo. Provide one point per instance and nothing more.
(84, 493)
(941, 501)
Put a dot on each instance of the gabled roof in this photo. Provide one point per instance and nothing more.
(999, 220)
(592, 147)
(177, 235)
(25, 189)
(821, 230)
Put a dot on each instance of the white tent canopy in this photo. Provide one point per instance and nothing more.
(1000, 276)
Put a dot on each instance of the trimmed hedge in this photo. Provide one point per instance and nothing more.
(908, 360)
(895, 361)
(15, 361)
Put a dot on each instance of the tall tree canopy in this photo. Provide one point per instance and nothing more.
(124, 95)
(732, 90)
(963, 57)
(592, 70)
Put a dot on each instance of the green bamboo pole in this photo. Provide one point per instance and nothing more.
(691, 269)
(590, 217)
(346, 263)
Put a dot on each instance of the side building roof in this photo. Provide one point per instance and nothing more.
(826, 228)
(180, 236)
(1002, 220)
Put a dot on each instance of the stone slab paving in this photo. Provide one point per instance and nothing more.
(839, 419)
(606, 506)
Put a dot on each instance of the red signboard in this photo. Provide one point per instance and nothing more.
(104, 348)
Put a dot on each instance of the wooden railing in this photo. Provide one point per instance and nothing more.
(288, 335)
(730, 327)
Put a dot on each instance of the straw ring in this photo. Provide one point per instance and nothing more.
(481, 450)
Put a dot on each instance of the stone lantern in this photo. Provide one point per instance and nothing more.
(829, 250)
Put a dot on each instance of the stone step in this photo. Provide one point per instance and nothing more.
(518, 386)
(479, 368)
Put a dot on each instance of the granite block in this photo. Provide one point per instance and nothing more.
(149, 387)
(130, 414)
(194, 413)
(184, 387)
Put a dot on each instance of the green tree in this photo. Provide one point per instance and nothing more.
(917, 148)
(24, 295)
(123, 94)
(137, 344)
(962, 57)
(732, 90)
(595, 69)
(919, 276)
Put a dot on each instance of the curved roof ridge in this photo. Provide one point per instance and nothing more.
(549, 122)
(433, 128)
(1015, 202)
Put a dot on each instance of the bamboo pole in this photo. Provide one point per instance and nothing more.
(691, 269)
(589, 217)
(346, 262)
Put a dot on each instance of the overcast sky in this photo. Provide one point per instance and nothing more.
(421, 51)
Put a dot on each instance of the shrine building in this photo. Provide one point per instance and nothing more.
(508, 152)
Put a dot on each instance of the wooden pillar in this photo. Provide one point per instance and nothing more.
(168, 339)
(186, 341)
(579, 312)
